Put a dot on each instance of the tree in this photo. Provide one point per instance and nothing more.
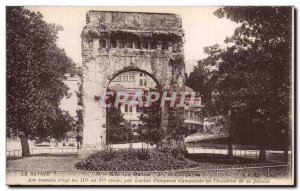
(118, 129)
(264, 41)
(176, 128)
(35, 71)
(64, 123)
(151, 122)
(79, 112)
(201, 78)
(253, 75)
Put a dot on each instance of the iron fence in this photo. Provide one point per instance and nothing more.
(42, 150)
(14, 153)
(222, 151)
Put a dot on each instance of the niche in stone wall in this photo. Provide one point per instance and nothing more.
(102, 43)
(134, 41)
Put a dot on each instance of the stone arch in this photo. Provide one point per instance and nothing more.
(100, 66)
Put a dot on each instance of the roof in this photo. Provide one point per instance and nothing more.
(119, 88)
(189, 90)
(204, 137)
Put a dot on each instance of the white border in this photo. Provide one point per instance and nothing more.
(3, 3)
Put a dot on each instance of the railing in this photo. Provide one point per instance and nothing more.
(42, 150)
(212, 150)
(14, 153)
(246, 153)
(46, 150)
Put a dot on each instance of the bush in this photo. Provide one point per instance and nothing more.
(133, 160)
(178, 153)
(143, 155)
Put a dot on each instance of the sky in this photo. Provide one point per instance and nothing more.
(202, 28)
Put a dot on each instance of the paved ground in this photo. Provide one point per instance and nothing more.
(44, 163)
(65, 165)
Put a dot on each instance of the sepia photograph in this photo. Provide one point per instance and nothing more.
(164, 96)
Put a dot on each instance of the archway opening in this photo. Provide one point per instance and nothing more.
(130, 119)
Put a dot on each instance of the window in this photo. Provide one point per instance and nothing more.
(125, 78)
(131, 77)
(130, 109)
(143, 79)
(126, 108)
(141, 82)
(121, 44)
(102, 43)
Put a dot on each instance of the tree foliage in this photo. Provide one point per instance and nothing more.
(150, 117)
(176, 129)
(118, 129)
(251, 77)
(63, 125)
(35, 73)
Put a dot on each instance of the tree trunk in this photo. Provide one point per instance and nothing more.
(25, 146)
(286, 155)
(262, 154)
(230, 136)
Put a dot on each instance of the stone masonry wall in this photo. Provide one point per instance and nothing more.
(104, 56)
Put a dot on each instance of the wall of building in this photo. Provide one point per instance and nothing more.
(70, 103)
(133, 80)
